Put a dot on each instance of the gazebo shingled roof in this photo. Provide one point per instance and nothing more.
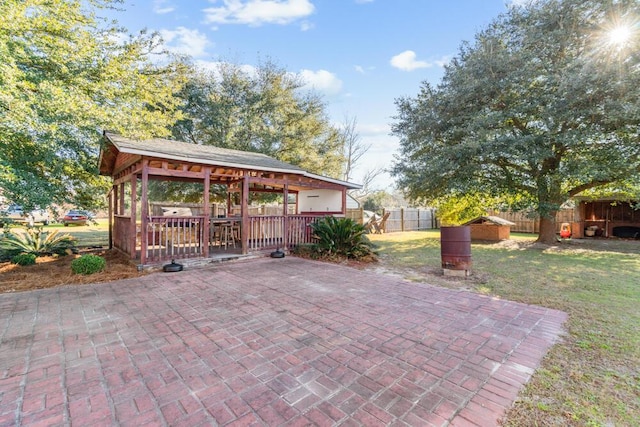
(201, 154)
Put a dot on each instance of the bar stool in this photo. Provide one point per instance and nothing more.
(227, 235)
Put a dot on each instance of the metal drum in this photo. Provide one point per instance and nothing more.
(455, 250)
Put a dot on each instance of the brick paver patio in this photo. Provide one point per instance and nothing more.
(265, 342)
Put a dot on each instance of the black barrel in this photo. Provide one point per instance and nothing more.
(455, 248)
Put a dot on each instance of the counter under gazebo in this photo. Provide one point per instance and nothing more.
(210, 230)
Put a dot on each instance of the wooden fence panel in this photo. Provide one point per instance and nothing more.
(526, 224)
(410, 219)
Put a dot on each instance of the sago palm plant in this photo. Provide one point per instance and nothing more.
(35, 241)
(341, 237)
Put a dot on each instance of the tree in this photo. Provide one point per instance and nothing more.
(544, 105)
(378, 200)
(263, 111)
(353, 147)
(367, 183)
(65, 75)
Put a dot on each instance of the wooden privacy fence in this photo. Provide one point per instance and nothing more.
(526, 224)
(402, 219)
(411, 219)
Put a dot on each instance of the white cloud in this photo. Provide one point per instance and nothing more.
(258, 12)
(185, 41)
(406, 61)
(160, 8)
(207, 66)
(362, 70)
(306, 25)
(321, 81)
(442, 61)
(213, 67)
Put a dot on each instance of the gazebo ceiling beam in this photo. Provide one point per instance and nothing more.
(297, 182)
(261, 190)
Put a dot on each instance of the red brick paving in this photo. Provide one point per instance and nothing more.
(265, 342)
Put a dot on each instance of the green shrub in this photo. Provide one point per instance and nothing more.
(88, 264)
(341, 237)
(36, 241)
(24, 259)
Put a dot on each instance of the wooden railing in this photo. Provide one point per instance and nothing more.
(183, 237)
(300, 231)
(268, 232)
(175, 237)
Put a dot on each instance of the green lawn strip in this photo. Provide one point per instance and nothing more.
(93, 234)
(592, 377)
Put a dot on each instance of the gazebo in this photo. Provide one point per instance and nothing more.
(177, 233)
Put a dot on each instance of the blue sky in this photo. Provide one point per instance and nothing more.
(360, 55)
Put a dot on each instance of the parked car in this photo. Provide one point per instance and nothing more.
(15, 213)
(76, 216)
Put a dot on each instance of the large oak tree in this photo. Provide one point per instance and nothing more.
(265, 110)
(65, 75)
(543, 105)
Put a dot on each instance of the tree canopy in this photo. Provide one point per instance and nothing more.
(66, 75)
(543, 105)
(262, 110)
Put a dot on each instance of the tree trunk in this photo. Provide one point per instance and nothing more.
(548, 229)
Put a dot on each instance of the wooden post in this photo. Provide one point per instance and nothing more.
(401, 219)
(285, 203)
(434, 222)
(207, 211)
(132, 226)
(144, 212)
(121, 203)
(112, 200)
(344, 202)
(244, 210)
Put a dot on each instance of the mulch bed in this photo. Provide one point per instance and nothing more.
(50, 271)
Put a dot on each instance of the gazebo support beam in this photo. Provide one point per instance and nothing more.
(285, 203)
(206, 210)
(132, 226)
(244, 210)
(112, 200)
(144, 212)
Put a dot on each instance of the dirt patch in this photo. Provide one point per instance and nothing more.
(49, 272)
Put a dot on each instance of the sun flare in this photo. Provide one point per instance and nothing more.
(619, 35)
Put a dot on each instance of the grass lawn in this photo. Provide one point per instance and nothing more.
(92, 234)
(593, 376)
